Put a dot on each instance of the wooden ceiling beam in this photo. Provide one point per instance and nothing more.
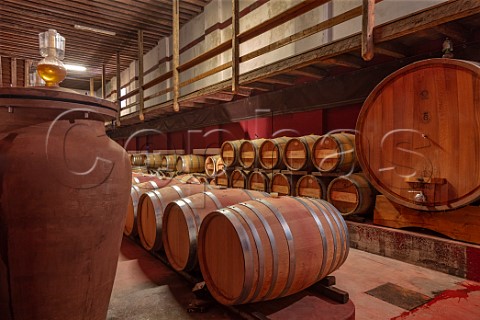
(311, 72)
(454, 31)
(258, 86)
(280, 79)
(346, 60)
(394, 50)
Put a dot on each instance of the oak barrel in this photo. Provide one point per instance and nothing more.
(418, 138)
(274, 247)
(168, 162)
(297, 151)
(249, 155)
(223, 178)
(284, 184)
(191, 163)
(259, 181)
(211, 165)
(351, 194)
(150, 211)
(312, 187)
(238, 179)
(136, 179)
(139, 159)
(137, 190)
(271, 153)
(182, 219)
(230, 152)
(335, 152)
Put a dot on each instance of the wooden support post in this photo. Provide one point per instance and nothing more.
(141, 101)
(92, 87)
(13, 72)
(1, 73)
(235, 46)
(176, 54)
(103, 81)
(119, 103)
(26, 72)
(368, 22)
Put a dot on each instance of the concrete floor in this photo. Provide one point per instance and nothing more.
(147, 289)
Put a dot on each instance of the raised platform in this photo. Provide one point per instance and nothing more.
(448, 256)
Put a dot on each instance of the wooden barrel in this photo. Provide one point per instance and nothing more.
(297, 151)
(223, 178)
(137, 190)
(418, 138)
(182, 219)
(238, 179)
(150, 211)
(187, 178)
(139, 169)
(168, 162)
(143, 178)
(211, 165)
(138, 159)
(259, 181)
(335, 152)
(230, 152)
(153, 160)
(191, 163)
(312, 187)
(351, 194)
(249, 153)
(271, 153)
(284, 184)
(275, 247)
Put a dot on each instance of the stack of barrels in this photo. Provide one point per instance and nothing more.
(223, 231)
(323, 167)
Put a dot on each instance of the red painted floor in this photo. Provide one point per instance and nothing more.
(147, 289)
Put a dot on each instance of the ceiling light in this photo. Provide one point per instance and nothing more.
(85, 28)
(72, 67)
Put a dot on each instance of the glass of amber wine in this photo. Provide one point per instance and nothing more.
(52, 48)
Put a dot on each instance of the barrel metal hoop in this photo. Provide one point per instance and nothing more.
(179, 191)
(154, 184)
(194, 210)
(214, 199)
(260, 252)
(247, 252)
(290, 244)
(340, 222)
(192, 229)
(335, 264)
(273, 245)
(338, 216)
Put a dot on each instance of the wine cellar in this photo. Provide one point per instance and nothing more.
(239, 159)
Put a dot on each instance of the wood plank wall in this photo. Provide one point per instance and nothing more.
(6, 80)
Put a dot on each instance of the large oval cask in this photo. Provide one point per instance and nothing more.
(182, 219)
(274, 246)
(418, 135)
